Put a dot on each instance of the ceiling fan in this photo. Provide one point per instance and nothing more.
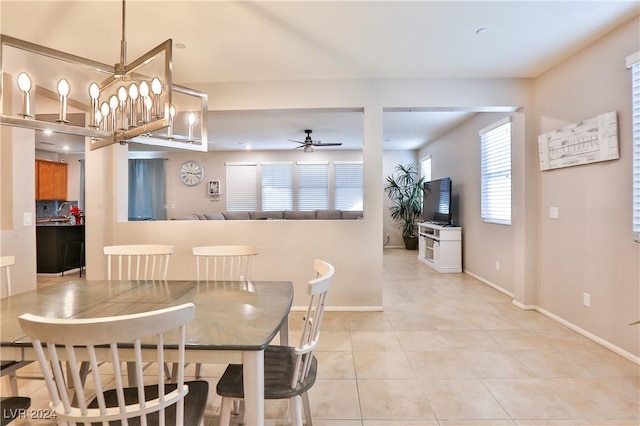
(309, 143)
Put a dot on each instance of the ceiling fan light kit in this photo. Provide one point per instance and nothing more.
(308, 144)
(135, 102)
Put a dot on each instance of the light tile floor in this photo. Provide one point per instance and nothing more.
(448, 350)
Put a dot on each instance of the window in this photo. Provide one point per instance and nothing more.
(242, 194)
(348, 186)
(425, 169)
(495, 187)
(277, 186)
(313, 186)
(633, 62)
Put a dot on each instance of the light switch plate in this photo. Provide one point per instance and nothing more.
(553, 212)
(27, 219)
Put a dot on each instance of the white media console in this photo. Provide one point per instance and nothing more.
(440, 247)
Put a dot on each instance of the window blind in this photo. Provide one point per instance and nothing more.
(241, 187)
(495, 152)
(425, 169)
(635, 72)
(313, 186)
(277, 186)
(348, 186)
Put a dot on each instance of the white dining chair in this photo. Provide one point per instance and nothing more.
(229, 263)
(224, 262)
(289, 372)
(9, 369)
(138, 261)
(112, 339)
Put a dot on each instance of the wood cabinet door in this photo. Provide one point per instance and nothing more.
(51, 180)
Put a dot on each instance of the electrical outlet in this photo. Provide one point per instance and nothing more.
(497, 266)
(586, 300)
(554, 212)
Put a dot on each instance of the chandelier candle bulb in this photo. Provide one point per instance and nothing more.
(133, 106)
(104, 109)
(63, 92)
(113, 105)
(97, 119)
(24, 84)
(156, 89)
(122, 97)
(172, 114)
(191, 119)
(94, 94)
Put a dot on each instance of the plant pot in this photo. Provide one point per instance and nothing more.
(411, 243)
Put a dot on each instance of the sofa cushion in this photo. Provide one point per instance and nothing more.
(353, 215)
(214, 216)
(189, 217)
(299, 215)
(265, 215)
(236, 215)
(328, 214)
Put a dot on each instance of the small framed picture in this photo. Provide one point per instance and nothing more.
(214, 187)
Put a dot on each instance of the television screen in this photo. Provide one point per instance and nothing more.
(437, 201)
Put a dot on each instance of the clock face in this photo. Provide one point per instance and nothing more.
(191, 173)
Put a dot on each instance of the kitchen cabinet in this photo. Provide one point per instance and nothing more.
(51, 180)
(53, 240)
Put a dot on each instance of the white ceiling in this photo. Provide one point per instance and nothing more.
(305, 39)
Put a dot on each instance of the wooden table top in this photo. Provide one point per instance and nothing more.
(230, 315)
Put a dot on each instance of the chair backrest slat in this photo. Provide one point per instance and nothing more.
(100, 339)
(141, 261)
(230, 263)
(317, 288)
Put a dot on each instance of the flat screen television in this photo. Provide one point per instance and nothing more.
(437, 201)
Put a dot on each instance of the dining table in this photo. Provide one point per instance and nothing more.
(235, 320)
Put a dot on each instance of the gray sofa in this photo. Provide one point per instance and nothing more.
(278, 215)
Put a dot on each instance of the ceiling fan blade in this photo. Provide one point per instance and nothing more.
(291, 140)
(327, 144)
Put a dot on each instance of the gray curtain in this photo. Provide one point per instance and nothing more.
(147, 189)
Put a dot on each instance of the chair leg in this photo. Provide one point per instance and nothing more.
(198, 368)
(167, 372)
(236, 406)
(13, 384)
(307, 409)
(296, 410)
(225, 411)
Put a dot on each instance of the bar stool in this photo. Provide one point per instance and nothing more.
(65, 259)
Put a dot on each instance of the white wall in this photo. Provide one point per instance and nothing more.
(17, 191)
(590, 248)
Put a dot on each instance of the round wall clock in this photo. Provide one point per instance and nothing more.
(191, 173)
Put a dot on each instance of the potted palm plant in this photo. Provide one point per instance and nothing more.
(404, 188)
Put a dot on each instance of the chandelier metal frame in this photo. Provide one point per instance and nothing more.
(145, 133)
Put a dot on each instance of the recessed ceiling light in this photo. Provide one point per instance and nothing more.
(180, 46)
(48, 132)
(66, 148)
(482, 31)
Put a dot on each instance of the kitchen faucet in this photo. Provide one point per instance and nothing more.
(62, 206)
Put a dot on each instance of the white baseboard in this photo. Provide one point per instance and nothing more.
(631, 357)
(489, 283)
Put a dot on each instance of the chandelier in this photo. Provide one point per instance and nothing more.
(128, 102)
